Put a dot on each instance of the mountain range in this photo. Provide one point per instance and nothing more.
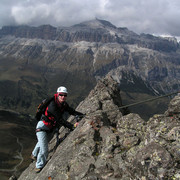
(36, 60)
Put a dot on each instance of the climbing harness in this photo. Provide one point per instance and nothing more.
(39, 130)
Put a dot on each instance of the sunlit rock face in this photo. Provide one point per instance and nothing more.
(112, 144)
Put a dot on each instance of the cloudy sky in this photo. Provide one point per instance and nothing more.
(141, 16)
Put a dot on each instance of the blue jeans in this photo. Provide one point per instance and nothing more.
(41, 149)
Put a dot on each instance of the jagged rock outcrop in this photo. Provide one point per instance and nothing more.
(110, 145)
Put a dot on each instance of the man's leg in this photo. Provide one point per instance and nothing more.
(36, 150)
(43, 149)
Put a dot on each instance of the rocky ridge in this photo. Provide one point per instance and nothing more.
(111, 144)
(91, 31)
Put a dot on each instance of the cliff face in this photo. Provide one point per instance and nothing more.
(91, 31)
(110, 144)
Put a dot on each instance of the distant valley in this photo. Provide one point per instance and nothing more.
(16, 140)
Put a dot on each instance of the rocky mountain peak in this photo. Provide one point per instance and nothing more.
(110, 145)
(96, 23)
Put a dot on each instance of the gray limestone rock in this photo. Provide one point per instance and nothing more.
(109, 145)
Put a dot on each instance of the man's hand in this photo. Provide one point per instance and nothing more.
(76, 124)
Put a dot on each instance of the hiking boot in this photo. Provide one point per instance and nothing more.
(37, 170)
(33, 158)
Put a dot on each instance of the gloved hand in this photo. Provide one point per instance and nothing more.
(76, 124)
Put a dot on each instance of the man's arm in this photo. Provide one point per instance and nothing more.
(74, 112)
(65, 124)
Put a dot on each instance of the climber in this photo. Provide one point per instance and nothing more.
(50, 121)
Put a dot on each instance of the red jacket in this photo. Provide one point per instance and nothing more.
(54, 112)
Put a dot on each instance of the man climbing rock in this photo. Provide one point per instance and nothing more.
(50, 120)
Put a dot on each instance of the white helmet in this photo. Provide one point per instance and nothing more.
(62, 89)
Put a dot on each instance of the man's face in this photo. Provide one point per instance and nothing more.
(62, 97)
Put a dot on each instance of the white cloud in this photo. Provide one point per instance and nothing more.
(30, 14)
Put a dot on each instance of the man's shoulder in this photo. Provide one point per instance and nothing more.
(52, 101)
